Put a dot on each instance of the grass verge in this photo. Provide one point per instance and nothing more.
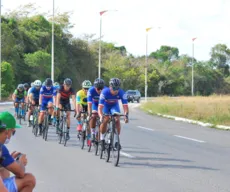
(212, 109)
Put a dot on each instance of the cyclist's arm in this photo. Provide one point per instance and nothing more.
(2, 186)
(78, 103)
(58, 99)
(40, 95)
(74, 102)
(25, 97)
(101, 104)
(40, 99)
(31, 97)
(89, 102)
(14, 95)
(124, 101)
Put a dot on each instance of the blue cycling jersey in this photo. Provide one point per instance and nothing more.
(93, 96)
(47, 94)
(35, 92)
(107, 99)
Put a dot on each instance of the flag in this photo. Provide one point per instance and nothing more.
(193, 39)
(147, 29)
(102, 12)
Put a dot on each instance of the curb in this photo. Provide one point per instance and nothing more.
(6, 103)
(223, 127)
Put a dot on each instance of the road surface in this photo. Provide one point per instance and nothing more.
(158, 154)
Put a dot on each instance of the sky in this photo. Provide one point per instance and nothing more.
(173, 22)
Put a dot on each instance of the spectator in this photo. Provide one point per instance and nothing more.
(14, 163)
(2, 186)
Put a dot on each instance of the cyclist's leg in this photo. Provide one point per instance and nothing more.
(16, 106)
(30, 112)
(50, 110)
(23, 106)
(92, 122)
(68, 107)
(103, 126)
(116, 109)
(41, 114)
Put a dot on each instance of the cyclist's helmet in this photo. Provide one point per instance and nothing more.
(26, 86)
(86, 84)
(48, 82)
(32, 84)
(68, 81)
(99, 83)
(56, 84)
(115, 83)
(37, 83)
(20, 87)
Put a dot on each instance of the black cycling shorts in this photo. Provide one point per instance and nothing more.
(65, 104)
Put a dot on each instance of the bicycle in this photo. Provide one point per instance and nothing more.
(111, 143)
(19, 113)
(97, 137)
(35, 120)
(62, 133)
(84, 132)
(46, 124)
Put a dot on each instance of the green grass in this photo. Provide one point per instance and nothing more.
(212, 109)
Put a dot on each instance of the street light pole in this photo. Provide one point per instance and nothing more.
(146, 64)
(52, 61)
(192, 66)
(99, 56)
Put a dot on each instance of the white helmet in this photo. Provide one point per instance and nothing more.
(37, 83)
(32, 84)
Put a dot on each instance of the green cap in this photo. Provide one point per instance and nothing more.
(9, 120)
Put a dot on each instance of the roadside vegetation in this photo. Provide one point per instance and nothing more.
(211, 109)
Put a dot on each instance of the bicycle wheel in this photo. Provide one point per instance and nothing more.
(82, 139)
(46, 124)
(60, 132)
(65, 132)
(89, 143)
(108, 139)
(20, 115)
(115, 151)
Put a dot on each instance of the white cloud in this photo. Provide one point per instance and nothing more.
(181, 20)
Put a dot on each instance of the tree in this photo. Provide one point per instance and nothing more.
(7, 79)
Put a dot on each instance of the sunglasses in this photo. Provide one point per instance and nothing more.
(13, 133)
(98, 89)
(115, 88)
(48, 87)
(86, 89)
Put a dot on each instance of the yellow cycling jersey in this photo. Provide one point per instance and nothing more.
(81, 97)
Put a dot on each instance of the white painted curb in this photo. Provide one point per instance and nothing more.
(6, 103)
(193, 121)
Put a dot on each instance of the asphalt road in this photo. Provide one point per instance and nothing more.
(158, 155)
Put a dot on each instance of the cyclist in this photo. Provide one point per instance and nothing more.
(63, 101)
(34, 97)
(108, 104)
(92, 99)
(26, 87)
(46, 98)
(19, 95)
(81, 102)
(57, 87)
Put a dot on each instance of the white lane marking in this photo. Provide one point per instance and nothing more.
(200, 141)
(126, 155)
(145, 128)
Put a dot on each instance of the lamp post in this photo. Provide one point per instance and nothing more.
(99, 56)
(146, 63)
(52, 59)
(192, 88)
